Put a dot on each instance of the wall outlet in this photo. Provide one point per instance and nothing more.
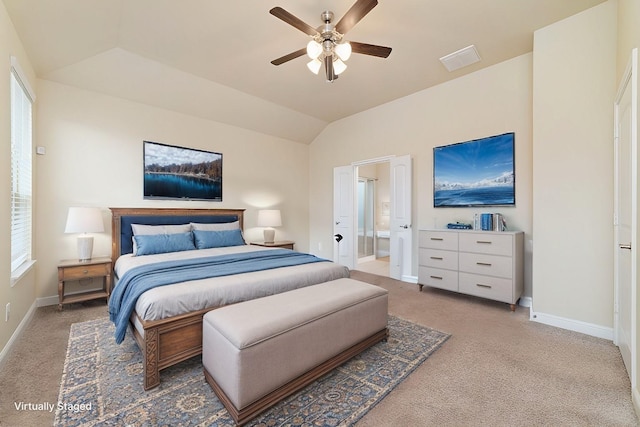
(7, 312)
(320, 246)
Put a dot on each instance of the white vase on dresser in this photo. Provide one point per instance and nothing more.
(485, 264)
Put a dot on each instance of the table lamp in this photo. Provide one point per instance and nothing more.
(84, 220)
(269, 218)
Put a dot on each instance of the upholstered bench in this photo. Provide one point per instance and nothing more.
(257, 352)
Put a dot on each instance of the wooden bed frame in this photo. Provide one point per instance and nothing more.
(175, 339)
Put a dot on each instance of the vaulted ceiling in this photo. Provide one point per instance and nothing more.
(211, 59)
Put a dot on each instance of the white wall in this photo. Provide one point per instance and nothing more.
(488, 102)
(574, 68)
(94, 158)
(20, 296)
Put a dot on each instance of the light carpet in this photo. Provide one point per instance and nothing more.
(102, 383)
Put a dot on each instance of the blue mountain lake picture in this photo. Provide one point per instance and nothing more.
(181, 173)
(475, 173)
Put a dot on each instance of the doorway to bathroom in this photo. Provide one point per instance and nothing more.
(373, 218)
(395, 174)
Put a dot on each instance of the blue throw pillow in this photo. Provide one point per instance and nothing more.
(149, 244)
(218, 239)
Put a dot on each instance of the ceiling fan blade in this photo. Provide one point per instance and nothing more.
(355, 14)
(292, 20)
(289, 57)
(370, 49)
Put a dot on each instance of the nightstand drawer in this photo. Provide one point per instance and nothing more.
(439, 240)
(437, 278)
(487, 243)
(487, 287)
(438, 259)
(490, 265)
(82, 271)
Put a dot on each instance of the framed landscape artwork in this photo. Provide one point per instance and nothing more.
(475, 173)
(172, 172)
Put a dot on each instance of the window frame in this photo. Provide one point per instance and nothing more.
(17, 78)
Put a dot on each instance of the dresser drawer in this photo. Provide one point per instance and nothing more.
(487, 243)
(490, 265)
(438, 259)
(438, 240)
(438, 278)
(82, 271)
(494, 288)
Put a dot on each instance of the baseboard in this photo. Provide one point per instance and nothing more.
(43, 302)
(635, 398)
(410, 279)
(573, 325)
(16, 334)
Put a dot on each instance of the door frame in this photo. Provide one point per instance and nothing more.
(353, 231)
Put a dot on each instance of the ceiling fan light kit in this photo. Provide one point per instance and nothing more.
(326, 45)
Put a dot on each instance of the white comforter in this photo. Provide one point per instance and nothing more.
(172, 300)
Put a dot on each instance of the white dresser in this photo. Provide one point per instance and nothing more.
(486, 264)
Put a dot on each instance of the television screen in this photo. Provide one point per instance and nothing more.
(172, 172)
(475, 173)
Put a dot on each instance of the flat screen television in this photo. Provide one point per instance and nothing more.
(172, 172)
(475, 173)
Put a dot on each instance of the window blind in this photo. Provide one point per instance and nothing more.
(21, 173)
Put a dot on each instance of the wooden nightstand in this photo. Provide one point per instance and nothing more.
(285, 244)
(75, 270)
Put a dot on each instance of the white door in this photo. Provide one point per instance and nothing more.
(625, 216)
(401, 242)
(344, 208)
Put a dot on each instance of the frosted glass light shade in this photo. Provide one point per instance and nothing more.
(339, 66)
(343, 50)
(314, 49)
(314, 66)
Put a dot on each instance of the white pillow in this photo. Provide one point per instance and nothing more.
(141, 229)
(219, 226)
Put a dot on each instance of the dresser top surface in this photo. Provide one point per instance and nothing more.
(451, 230)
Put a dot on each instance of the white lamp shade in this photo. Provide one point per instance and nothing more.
(84, 220)
(269, 218)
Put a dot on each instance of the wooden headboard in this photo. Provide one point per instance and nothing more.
(122, 218)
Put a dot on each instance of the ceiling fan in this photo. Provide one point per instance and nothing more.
(327, 45)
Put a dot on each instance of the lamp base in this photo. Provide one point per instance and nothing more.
(269, 235)
(85, 248)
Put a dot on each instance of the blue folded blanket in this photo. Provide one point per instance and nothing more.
(140, 279)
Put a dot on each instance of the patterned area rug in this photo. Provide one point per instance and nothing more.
(102, 384)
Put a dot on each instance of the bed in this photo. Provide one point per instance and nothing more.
(166, 321)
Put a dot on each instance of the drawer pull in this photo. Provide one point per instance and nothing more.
(483, 286)
(85, 271)
(486, 264)
(436, 277)
(484, 242)
(439, 239)
(439, 258)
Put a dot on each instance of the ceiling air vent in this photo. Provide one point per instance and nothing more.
(460, 58)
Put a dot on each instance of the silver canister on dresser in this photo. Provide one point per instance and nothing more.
(499, 224)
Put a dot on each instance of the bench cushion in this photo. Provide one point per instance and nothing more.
(252, 348)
